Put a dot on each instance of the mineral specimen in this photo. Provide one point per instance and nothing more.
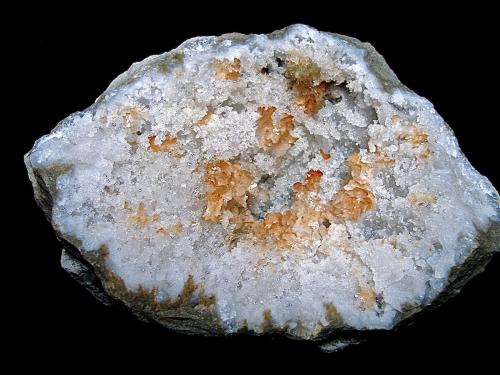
(284, 183)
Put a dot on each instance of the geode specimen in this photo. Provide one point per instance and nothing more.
(284, 183)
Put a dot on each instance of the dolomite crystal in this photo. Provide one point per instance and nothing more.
(283, 183)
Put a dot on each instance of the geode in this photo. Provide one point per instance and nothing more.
(284, 183)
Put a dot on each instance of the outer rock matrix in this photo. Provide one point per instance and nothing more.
(284, 183)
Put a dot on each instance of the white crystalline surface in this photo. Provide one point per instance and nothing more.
(142, 157)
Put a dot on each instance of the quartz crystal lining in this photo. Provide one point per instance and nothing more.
(284, 181)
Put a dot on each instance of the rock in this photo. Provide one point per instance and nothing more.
(284, 183)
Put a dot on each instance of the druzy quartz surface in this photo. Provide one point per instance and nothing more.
(282, 183)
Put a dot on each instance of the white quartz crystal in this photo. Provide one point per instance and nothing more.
(139, 162)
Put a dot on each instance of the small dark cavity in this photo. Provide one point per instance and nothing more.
(264, 178)
(235, 106)
(437, 246)
(280, 62)
(109, 218)
(379, 300)
(258, 208)
(144, 102)
(341, 85)
(333, 99)
(260, 216)
(238, 107)
(348, 234)
(335, 92)
(138, 132)
(326, 223)
(265, 70)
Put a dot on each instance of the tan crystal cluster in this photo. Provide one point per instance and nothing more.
(303, 75)
(229, 190)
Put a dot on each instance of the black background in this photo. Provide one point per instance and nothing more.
(68, 61)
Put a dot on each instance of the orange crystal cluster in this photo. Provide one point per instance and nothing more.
(274, 136)
(307, 219)
(302, 73)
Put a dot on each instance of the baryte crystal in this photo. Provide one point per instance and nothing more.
(265, 183)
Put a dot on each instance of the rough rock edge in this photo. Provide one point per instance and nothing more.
(88, 271)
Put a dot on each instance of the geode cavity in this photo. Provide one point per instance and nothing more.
(281, 183)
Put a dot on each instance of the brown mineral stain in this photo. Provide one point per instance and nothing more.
(421, 199)
(130, 116)
(302, 73)
(385, 161)
(163, 67)
(332, 315)
(274, 136)
(206, 301)
(147, 299)
(206, 118)
(425, 153)
(141, 218)
(415, 136)
(382, 159)
(59, 169)
(267, 324)
(367, 297)
(188, 289)
(166, 144)
(189, 296)
(225, 69)
(324, 154)
(132, 142)
(175, 229)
